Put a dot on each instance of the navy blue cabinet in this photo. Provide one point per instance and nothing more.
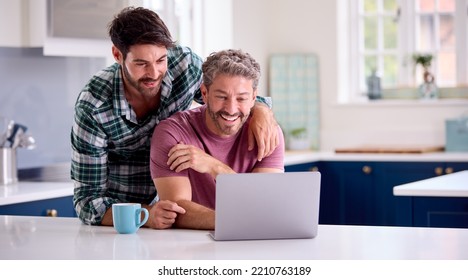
(395, 210)
(440, 212)
(408, 211)
(60, 207)
(350, 192)
(361, 193)
(327, 212)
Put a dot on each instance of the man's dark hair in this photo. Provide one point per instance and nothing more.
(134, 26)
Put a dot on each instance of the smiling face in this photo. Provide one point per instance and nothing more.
(229, 100)
(143, 69)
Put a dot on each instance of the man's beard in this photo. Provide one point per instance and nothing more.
(224, 129)
(136, 84)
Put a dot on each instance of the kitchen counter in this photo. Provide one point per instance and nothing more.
(23, 237)
(451, 185)
(298, 157)
(32, 191)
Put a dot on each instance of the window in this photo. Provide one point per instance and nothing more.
(385, 34)
(178, 16)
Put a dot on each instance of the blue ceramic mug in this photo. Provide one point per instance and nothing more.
(127, 217)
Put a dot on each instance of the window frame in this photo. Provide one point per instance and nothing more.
(406, 47)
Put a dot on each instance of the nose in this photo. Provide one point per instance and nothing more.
(230, 105)
(154, 70)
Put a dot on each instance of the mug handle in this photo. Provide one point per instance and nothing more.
(145, 218)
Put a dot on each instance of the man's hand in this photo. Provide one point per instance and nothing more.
(163, 214)
(183, 156)
(263, 129)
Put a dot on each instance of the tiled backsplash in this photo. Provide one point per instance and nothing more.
(39, 92)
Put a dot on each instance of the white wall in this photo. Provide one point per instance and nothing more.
(264, 27)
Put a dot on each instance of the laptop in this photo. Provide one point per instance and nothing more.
(252, 206)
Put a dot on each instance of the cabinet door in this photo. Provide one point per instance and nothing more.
(61, 207)
(327, 210)
(416, 211)
(308, 166)
(23, 23)
(349, 188)
(440, 212)
(397, 210)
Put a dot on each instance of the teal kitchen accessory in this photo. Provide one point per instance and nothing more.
(456, 134)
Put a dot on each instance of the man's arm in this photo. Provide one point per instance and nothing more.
(161, 215)
(179, 190)
(89, 171)
(263, 129)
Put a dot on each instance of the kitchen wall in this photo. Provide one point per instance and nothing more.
(264, 27)
(39, 92)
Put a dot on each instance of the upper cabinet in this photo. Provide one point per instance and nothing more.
(79, 27)
(61, 27)
(23, 23)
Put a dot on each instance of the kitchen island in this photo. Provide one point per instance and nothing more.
(46, 238)
(450, 185)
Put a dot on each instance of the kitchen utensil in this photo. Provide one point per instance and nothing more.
(6, 131)
(17, 131)
(27, 141)
(8, 167)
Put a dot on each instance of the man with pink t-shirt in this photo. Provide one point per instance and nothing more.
(189, 149)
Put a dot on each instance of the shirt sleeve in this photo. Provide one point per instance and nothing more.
(265, 100)
(166, 135)
(89, 168)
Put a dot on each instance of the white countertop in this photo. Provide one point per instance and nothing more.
(32, 238)
(31, 191)
(298, 157)
(451, 185)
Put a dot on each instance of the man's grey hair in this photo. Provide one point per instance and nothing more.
(233, 63)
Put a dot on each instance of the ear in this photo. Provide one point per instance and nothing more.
(204, 91)
(117, 54)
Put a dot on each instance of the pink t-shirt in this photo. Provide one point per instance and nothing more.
(190, 128)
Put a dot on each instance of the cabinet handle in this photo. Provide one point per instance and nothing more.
(438, 171)
(367, 169)
(51, 213)
(314, 168)
(448, 170)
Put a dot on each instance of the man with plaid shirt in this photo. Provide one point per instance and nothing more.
(116, 112)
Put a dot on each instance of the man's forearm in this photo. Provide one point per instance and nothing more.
(196, 217)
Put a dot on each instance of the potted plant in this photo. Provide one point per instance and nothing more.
(425, 61)
(427, 89)
(298, 139)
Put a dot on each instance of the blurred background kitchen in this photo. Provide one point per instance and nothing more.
(49, 49)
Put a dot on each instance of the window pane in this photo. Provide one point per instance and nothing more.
(447, 68)
(390, 71)
(447, 32)
(370, 33)
(390, 5)
(447, 5)
(426, 5)
(370, 6)
(370, 62)
(156, 5)
(390, 33)
(426, 33)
